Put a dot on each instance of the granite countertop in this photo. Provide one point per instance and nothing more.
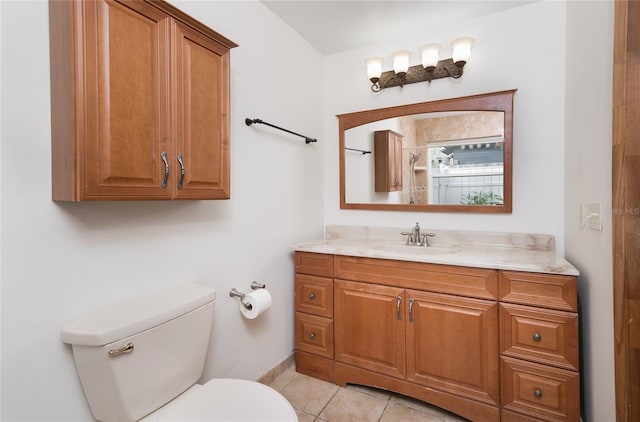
(503, 251)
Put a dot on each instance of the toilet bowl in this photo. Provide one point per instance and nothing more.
(140, 361)
(224, 399)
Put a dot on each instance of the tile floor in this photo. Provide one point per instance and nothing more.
(320, 401)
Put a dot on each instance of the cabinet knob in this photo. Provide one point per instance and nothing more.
(538, 393)
(537, 337)
(312, 296)
(312, 336)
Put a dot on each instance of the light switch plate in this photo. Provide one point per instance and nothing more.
(592, 215)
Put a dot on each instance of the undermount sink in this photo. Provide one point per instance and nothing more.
(417, 250)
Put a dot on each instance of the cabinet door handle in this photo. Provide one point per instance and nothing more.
(537, 337)
(398, 300)
(312, 336)
(312, 296)
(411, 310)
(538, 393)
(163, 155)
(181, 162)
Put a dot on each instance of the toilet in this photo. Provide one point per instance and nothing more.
(140, 360)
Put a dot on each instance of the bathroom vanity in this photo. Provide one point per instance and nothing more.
(482, 324)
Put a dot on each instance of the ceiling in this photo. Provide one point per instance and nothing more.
(335, 26)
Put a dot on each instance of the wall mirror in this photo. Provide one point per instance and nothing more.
(452, 155)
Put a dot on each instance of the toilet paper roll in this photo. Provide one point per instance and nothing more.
(255, 303)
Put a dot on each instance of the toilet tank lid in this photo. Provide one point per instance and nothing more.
(126, 319)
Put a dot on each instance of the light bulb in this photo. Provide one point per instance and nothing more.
(461, 49)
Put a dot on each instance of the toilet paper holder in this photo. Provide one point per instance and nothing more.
(254, 286)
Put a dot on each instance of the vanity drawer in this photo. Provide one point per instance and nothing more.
(549, 291)
(542, 335)
(314, 264)
(540, 391)
(314, 334)
(314, 295)
(461, 281)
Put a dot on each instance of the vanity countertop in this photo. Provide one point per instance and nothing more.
(503, 251)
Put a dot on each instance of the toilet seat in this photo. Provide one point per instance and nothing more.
(224, 399)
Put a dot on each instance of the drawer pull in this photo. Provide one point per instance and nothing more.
(537, 338)
(312, 336)
(538, 393)
(312, 296)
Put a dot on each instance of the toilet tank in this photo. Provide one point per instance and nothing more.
(134, 357)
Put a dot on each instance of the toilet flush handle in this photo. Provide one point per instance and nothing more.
(128, 348)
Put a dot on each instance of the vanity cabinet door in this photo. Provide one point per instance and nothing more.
(388, 161)
(369, 327)
(452, 344)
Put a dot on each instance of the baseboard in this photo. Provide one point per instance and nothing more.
(278, 369)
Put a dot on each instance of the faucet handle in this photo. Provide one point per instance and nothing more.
(425, 238)
(409, 237)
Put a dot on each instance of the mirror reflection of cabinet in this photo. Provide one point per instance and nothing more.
(388, 161)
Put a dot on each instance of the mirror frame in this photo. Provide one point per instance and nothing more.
(495, 101)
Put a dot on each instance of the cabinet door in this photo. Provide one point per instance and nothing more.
(452, 344)
(201, 110)
(388, 161)
(125, 126)
(369, 327)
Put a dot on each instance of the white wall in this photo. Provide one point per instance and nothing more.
(559, 57)
(589, 84)
(59, 261)
(531, 61)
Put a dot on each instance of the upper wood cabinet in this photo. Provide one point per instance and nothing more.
(140, 103)
(388, 161)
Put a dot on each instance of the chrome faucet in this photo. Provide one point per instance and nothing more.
(415, 238)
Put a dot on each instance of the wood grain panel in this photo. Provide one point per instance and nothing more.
(369, 330)
(314, 264)
(200, 86)
(473, 282)
(540, 334)
(440, 327)
(556, 388)
(626, 208)
(314, 295)
(314, 334)
(126, 99)
(546, 290)
(314, 366)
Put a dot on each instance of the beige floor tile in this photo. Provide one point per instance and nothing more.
(309, 394)
(351, 405)
(283, 379)
(420, 406)
(376, 392)
(396, 412)
(304, 416)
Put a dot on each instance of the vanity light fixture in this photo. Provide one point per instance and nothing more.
(430, 69)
